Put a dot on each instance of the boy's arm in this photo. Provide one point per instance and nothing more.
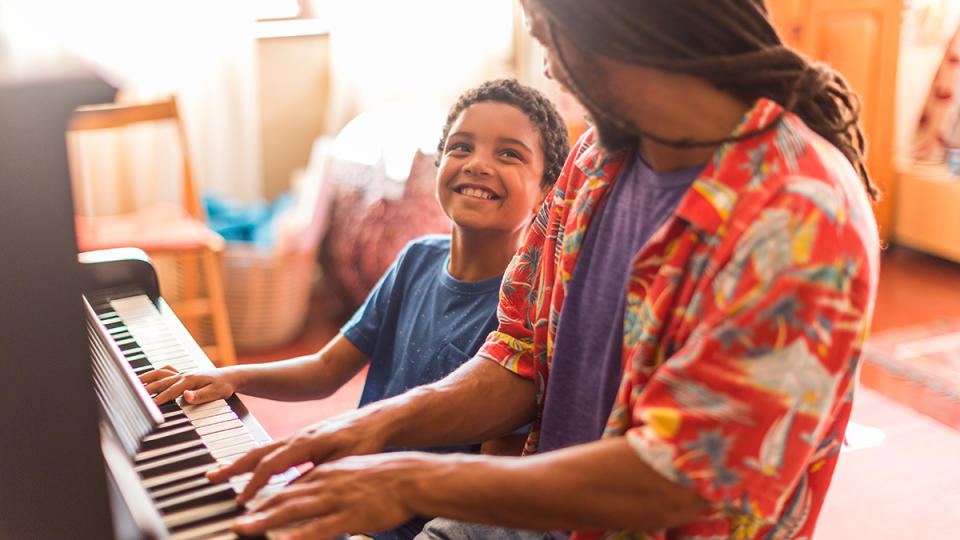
(313, 376)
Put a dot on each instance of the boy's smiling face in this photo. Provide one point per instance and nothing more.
(491, 168)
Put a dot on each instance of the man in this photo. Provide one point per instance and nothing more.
(683, 321)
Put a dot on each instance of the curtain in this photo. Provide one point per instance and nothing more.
(201, 51)
(429, 50)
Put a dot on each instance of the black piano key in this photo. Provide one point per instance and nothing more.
(234, 513)
(178, 486)
(219, 492)
(182, 453)
(176, 438)
(138, 363)
(179, 465)
(168, 407)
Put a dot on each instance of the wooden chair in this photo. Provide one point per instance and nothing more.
(186, 253)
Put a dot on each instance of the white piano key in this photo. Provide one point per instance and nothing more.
(205, 413)
(230, 451)
(185, 517)
(190, 409)
(155, 436)
(214, 438)
(239, 438)
(215, 419)
(223, 426)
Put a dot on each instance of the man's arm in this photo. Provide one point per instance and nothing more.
(479, 401)
(601, 485)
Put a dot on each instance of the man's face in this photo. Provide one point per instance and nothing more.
(587, 69)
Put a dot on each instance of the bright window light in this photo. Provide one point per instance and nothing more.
(277, 9)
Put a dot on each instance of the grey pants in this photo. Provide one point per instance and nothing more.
(448, 529)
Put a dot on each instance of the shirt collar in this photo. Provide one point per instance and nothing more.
(717, 189)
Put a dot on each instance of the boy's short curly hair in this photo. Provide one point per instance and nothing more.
(554, 138)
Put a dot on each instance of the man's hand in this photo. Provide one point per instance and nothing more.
(331, 439)
(359, 493)
(196, 387)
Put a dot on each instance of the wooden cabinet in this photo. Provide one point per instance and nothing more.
(926, 211)
(861, 40)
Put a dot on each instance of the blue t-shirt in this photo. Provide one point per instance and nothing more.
(586, 369)
(418, 323)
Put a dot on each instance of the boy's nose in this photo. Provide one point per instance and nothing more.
(478, 165)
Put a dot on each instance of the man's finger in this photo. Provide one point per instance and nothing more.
(245, 463)
(326, 527)
(281, 459)
(291, 491)
(293, 511)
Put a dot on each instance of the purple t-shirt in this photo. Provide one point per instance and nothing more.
(586, 369)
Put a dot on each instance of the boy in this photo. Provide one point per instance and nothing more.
(499, 154)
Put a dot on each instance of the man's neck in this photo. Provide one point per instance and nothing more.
(675, 106)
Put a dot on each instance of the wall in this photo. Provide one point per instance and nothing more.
(294, 82)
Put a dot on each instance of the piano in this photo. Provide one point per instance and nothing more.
(85, 454)
(156, 457)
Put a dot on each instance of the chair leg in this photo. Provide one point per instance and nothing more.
(212, 266)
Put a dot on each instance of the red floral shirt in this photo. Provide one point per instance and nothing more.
(743, 328)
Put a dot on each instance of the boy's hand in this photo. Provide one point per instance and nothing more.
(196, 387)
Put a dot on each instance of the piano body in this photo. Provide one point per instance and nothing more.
(156, 457)
(85, 454)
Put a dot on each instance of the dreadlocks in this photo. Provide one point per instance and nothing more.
(730, 43)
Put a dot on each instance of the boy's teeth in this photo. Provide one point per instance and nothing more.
(474, 192)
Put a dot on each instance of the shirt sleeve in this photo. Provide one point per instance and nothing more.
(739, 411)
(512, 343)
(363, 328)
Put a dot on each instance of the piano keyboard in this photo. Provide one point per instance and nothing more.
(191, 439)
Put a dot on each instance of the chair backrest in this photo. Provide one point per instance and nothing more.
(110, 116)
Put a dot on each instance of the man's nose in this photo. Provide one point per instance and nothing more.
(534, 23)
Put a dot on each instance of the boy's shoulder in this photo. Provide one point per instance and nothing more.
(426, 247)
(429, 242)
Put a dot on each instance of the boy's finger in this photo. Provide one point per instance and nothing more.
(203, 394)
(172, 392)
(159, 386)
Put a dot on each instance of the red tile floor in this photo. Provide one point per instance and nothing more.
(905, 487)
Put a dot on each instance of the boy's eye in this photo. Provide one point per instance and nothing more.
(512, 154)
(458, 147)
